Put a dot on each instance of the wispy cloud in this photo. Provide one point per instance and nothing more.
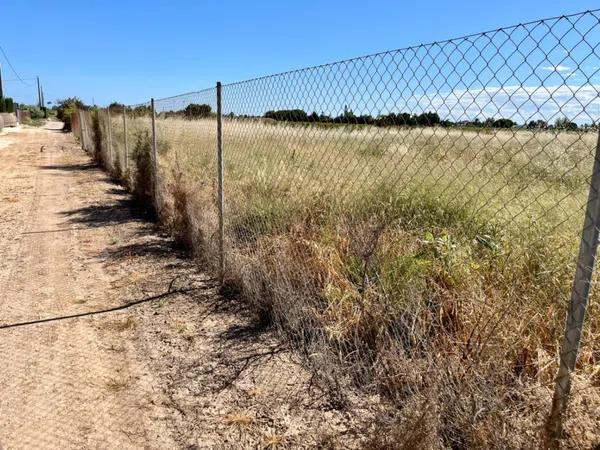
(519, 103)
(559, 68)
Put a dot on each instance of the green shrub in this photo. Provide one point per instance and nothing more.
(143, 188)
(7, 105)
(97, 129)
(196, 111)
(36, 113)
(10, 105)
(66, 107)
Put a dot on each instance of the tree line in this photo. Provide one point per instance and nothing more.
(348, 117)
(425, 119)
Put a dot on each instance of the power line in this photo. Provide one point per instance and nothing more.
(19, 79)
(13, 69)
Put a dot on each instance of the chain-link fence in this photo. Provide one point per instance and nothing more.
(410, 222)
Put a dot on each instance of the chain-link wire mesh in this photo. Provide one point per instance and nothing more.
(102, 129)
(116, 138)
(86, 131)
(186, 148)
(409, 221)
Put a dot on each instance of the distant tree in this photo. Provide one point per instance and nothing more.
(365, 119)
(167, 114)
(116, 108)
(67, 106)
(196, 111)
(499, 123)
(427, 119)
(563, 123)
(288, 115)
(537, 124)
(71, 102)
(402, 119)
(347, 116)
(324, 118)
(504, 123)
(7, 105)
(140, 110)
(313, 117)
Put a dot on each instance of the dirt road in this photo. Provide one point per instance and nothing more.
(110, 337)
(62, 384)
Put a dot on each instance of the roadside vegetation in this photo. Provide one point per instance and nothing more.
(422, 272)
(66, 107)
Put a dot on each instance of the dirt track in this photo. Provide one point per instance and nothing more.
(111, 338)
(62, 384)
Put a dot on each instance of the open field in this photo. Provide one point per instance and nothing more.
(428, 267)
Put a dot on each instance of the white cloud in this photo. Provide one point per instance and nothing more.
(559, 68)
(519, 103)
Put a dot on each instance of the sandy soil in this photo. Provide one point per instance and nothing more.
(110, 337)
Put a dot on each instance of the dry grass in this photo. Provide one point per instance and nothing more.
(128, 323)
(117, 384)
(273, 441)
(238, 420)
(428, 267)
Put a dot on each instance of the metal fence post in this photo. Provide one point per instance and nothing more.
(220, 183)
(110, 160)
(81, 129)
(86, 132)
(576, 314)
(154, 155)
(125, 138)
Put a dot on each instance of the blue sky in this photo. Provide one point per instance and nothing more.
(128, 51)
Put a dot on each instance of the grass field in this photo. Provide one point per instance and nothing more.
(429, 267)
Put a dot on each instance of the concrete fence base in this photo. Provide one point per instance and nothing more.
(9, 119)
(76, 124)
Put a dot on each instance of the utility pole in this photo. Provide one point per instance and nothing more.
(39, 93)
(43, 103)
(1, 89)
